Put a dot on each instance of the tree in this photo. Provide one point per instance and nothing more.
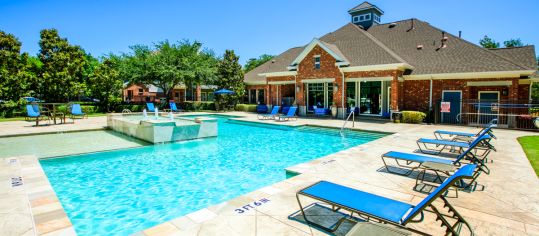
(63, 67)
(167, 65)
(487, 42)
(255, 62)
(513, 43)
(105, 84)
(13, 77)
(230, 76)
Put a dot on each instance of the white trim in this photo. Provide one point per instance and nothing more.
(360, 79)
(282, 82)
(255, 82)
(394, 66)
(472, 75)
(310, 47)
(489, 83)
(279, 73)
(316, 81)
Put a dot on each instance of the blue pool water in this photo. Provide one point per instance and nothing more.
(124, 191)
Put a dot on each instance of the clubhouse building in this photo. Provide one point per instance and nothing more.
(383, 68)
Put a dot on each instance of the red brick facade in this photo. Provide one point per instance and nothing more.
(406, 94)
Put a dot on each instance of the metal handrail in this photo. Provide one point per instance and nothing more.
(352, 114)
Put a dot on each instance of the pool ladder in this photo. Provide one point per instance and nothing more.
(352, 114)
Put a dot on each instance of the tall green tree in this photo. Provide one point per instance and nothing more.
(487, 42)
(513, 43)
(230, 76)
(167, 65)
(255, 62)
(105, 84)
(63, 67)
(11, 65)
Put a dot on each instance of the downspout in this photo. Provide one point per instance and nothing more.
(430, 98)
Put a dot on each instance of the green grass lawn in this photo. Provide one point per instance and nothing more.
(22, 118)
(530, 144)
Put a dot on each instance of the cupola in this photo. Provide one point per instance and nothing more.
(366, 15)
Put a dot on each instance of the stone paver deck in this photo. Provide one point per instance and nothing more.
(13, 128)
(509, 205)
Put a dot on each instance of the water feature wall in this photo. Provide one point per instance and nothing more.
(161, 129)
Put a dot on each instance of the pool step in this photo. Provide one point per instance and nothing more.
(336, 132)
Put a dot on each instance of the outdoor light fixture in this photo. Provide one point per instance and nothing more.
(335, 87)
(505, 91)
(298, 88)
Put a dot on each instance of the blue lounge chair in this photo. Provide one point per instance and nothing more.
(454, 136)
(173, 107)
(444, 165)
(77, 111)
(291, 114)
(150, 106)
(32, 113)
(370, 206)
(271, 115)
(436, 146)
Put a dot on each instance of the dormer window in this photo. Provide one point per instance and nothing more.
(317, 62)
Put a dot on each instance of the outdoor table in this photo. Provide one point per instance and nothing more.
(53, 112)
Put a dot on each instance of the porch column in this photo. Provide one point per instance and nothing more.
(267, 94)
(198, 93)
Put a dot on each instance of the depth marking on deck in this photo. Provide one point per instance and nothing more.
(16, 181)
(251, 206)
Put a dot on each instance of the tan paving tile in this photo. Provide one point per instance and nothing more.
(56, 224)
(162, 230)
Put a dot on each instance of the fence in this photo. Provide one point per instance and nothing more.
(514, 114)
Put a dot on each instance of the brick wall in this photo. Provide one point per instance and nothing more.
(328, 69)
(140, 97)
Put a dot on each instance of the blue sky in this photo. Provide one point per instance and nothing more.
(251, 28)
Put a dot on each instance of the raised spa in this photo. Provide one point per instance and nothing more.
(162, 129)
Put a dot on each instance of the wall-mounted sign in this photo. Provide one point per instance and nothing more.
(445, 107)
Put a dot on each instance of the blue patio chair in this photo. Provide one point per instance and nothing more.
(150, 106)
(261, 108)
(320, 111)
(291, 114)
(436, 146)
(271, 115)
(173, 107)
(386, 210)
(453, 135)
(31, 113)
(76, 110)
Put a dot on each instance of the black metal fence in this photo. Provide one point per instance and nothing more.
(513, 114)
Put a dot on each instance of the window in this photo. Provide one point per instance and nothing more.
(317, 62)
(204, 96)
(355, 19)
(376, 18)
(210, 96)
(260, 96)
(362, 18)
(140, 91)
(368, 16)
(177, 95)
(252, 96)
(534, 91)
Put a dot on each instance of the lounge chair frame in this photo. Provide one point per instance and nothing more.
(270, 116)
(451, 229)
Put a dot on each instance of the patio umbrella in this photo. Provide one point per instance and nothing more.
(224, 91)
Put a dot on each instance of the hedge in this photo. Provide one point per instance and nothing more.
(414, 117)
(131, 107)
(246, 107)
(197, 106)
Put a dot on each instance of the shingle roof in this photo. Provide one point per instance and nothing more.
(277, 64)
(364, 6)
(524, 56)
(458, 56)
(397, 42)
(360, 48)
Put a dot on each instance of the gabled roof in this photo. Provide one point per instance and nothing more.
(524, 56)
(329, 48)
(418, 48)
(365, 6)
(458, 56)
(277, 64)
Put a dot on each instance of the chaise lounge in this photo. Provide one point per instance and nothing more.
(291, 114)
(370, 206)
(271, 115)
(150, 106)
(436, 146)
(32, 113)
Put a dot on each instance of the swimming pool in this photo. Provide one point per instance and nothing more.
(124, 191)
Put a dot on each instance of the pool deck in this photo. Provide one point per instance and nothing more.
(509, 204)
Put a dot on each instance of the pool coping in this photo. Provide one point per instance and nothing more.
(50, 218)
(54, 132)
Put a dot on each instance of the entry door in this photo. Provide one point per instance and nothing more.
(454, 98)
(488, 106)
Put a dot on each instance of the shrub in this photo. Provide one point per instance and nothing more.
(245, 107)
(198, 106)
(414, 117)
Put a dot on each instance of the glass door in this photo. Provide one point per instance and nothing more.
(370, 97)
